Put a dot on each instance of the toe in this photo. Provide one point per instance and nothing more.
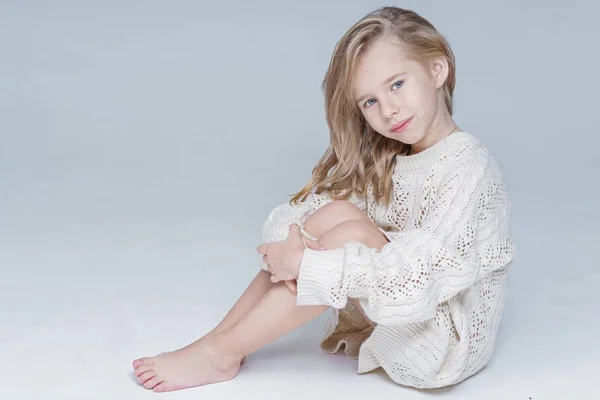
(143, 361)
(163, 387)
(142, 368)
(150, 384)
(143, 378)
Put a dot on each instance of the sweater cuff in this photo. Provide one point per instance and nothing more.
(317, 279)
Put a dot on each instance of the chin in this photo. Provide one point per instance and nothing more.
(407, 139)
(412, 138)
(415, 141)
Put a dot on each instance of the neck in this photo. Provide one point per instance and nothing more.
(442, 126)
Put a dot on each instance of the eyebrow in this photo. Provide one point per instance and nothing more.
(388, 80)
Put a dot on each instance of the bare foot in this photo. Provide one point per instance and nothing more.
(212, 334)
(200, 363)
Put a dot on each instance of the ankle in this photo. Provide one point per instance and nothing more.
(223, 350)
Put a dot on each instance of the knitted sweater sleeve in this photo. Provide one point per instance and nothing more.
(463, 234)
(277, 223)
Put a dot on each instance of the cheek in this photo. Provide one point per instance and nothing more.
(374, 122)
(432, 99)
(372, 119)
(421, 98)
(378, 124)
(424, 104)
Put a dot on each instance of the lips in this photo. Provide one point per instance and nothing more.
(401, 125)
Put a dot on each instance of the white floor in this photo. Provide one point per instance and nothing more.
(78, 306)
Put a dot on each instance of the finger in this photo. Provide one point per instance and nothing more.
(274, 279)
(311, 244)
(289, 286)
(262, 249)
(314, 245)
(294, 228)
(292, 286)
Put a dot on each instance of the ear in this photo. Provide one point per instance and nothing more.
(439, 71)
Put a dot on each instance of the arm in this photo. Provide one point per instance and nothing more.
(463, 235)
(277, 223)
(276, 226)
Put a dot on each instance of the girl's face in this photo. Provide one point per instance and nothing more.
(392, 90)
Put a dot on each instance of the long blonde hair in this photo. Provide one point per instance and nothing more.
(359, 157)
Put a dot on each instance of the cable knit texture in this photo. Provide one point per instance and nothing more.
(434, 294)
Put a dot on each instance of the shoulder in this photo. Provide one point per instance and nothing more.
(468, 152)
(470, 159)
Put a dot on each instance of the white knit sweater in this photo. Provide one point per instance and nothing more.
(435, 293)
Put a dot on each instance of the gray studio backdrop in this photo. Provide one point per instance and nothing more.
(201, 114)
(148, 138)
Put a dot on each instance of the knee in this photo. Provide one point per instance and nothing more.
(341, 210)
(331, 215)
(342, 207)
(353, 231)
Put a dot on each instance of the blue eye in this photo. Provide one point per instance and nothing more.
(367, 103)
(395, 85)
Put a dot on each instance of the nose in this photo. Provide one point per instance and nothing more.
(388, 108)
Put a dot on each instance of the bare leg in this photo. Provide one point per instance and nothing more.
(320, 222)
(217, 357)
(274, 316)
(277, 314)
(259, 286)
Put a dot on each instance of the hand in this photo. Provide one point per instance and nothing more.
(283, 258)
(293, 285)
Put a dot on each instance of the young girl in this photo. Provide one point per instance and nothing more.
(403, 230)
